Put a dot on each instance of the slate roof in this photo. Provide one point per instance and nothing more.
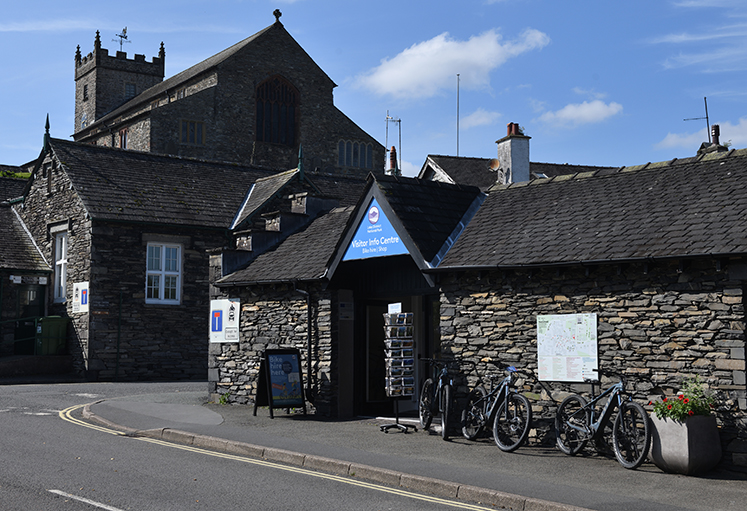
(693, 207)
(429, 211)
(303, 256)
(476, 171)
(262, 191)
(131, 186)
(17, 251)
(11, 187)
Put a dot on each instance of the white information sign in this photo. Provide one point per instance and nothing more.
(224, 320)
(567, 347)
(80, 297)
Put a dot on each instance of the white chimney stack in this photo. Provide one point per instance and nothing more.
(513, 155)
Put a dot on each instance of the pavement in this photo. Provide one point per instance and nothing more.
(533, 478)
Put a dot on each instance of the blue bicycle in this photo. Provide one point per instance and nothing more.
(436, 395)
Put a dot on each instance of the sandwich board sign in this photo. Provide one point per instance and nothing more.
(280, 382)
(224, 320)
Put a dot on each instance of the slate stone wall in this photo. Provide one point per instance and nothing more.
(51, 204)
(658, 324)
(134, 340)
(121, 336)
(274, 317)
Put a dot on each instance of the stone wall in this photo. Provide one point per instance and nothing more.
(121, 336)
(657, 324)
(274, 317)
(52, 204)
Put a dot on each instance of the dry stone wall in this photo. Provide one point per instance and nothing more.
(274, 317)
(657, 324)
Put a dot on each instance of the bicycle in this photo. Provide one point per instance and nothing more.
(508, 411)
(436, 396)
(577, 422)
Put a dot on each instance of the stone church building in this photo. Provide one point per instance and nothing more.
(254, 103)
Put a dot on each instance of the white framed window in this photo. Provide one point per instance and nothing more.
(60, 266)
(163, 279)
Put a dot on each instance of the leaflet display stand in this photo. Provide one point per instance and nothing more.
(400, 363)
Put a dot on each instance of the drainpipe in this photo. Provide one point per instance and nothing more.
(308, 341)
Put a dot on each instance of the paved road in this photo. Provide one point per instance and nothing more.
(52, 461)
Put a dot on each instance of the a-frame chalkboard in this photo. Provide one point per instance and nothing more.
(280, 382)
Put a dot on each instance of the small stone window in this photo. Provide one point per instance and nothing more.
(130, 91)
(193, 133)
(85, 92)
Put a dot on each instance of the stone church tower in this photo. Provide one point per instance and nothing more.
(104, 82)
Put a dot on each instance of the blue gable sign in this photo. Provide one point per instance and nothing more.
(375, 237)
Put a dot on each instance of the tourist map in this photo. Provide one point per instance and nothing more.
(567, 347)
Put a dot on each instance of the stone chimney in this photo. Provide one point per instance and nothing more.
(513, 156)
(714, 146)
(393, 169)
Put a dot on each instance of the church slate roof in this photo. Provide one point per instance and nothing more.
(185, 76)
(303, 256)
(675, 209)
(17, 251)
(130, 186)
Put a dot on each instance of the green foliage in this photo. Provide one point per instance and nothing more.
(224, 398)
(693, 400)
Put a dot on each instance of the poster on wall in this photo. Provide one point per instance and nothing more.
(375, 237)
(567, 347)
(224, 320)
(280, 382)
(80, 297)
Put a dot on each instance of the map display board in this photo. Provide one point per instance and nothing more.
(567, 347)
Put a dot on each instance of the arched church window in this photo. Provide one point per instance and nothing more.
(277, 109)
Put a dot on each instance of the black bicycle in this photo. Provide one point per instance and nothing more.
(577, 422)
(508, 411)
(436, 395)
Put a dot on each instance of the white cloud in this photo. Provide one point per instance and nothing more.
(426, 68)
(588, 112)
(479, 117)
(734, 134)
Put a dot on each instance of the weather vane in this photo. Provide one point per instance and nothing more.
(122, 38)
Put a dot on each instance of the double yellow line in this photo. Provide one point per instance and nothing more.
(67, 415)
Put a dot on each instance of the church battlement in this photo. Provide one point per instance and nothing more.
(100, 57)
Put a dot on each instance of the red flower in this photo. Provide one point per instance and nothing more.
(669, 407)
(664, 400)
(691, 412)
(686, 400)
(681, 396)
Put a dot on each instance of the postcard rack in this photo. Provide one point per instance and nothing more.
(400, 363)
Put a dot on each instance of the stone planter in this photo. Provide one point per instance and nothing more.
(688, 447)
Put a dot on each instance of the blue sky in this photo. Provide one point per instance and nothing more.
(592, 82)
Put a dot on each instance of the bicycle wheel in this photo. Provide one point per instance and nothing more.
(445, 410)
(425, 405)
(511, 423)
(572, 412)
(473, 415)
(631, 435)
